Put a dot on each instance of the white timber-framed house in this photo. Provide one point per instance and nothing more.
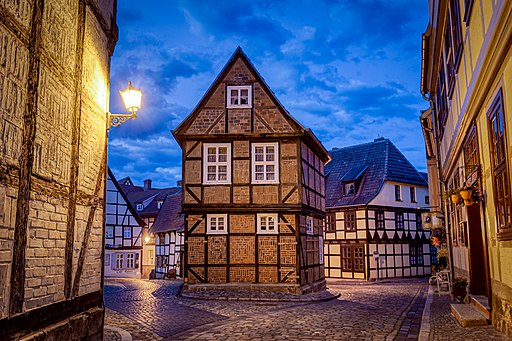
(123, 234)
(374, 201)
(169, 237)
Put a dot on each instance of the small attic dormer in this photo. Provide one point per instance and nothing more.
(351, 180)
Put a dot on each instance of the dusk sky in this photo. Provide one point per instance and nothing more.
(349, 70)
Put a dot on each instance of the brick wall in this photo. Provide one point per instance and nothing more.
(52, 246)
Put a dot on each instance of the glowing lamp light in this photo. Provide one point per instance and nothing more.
(147, 239)
(132, 98)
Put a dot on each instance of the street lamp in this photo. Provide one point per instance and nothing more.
(132, 98)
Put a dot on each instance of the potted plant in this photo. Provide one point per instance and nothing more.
(454, 195)
(459, 289)
(466, 192)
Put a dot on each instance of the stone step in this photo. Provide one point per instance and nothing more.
(468, 315)
(481, 303)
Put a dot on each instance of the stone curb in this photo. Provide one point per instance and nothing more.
(125, 336)
(425, 319)
(255, 299)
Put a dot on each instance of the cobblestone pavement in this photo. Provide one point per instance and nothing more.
(445, 327)
(387, 310)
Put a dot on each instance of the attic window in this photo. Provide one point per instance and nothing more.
(350, 189)
(159, 204)
(139, 207)
(239, 96)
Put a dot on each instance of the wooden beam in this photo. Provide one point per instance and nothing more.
(17, 294)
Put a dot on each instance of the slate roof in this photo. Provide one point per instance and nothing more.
(170, 217)
(137, 194)
(121, 191)
(384, 162)
(424, 176)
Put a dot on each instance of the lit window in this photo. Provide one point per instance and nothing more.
(110, 232)
(267, 223)
(398, 193)
(217, 163)
(309, 225)
(239, 96)
(127, 232)
(265, 163)
(217, 224)
(139, 207)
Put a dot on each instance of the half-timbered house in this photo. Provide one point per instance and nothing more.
(169, 237)
(253, 188)
(148, 202)
(373, 228)
(123, 234)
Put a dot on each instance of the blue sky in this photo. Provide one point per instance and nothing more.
(348, 69)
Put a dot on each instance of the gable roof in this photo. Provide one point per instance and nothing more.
(170, 217)
(137, 194)
(240, 55)
(374, 162)
(119, 188)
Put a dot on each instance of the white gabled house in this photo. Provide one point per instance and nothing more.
(374, 201)
(123, 234)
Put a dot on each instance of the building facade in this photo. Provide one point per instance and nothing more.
(123, 234)
(253, 188)
(373, 228)
(169, 238)
(54, 90)
(467, 77)
(148, 202)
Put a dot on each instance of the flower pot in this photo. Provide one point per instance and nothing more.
(456, 198)
(459, 292)
(466, 194)
(468, 202)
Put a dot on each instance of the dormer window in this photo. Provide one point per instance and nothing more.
(350, 189)
(239, 96)
(159, 204)
(139, 206)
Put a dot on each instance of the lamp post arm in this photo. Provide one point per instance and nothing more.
(115, 120)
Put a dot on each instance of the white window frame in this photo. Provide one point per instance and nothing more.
(139, 207)
(127, 228)
(265, 218)
(107, 259)
(239, 88)
(309, 225)
(111, 229)
(265, 163)
(159, 204)
(210, 218)
(216, 164)
(119, 260)
(412, 190)
(130, 260)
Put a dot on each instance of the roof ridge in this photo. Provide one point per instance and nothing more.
(386, 160)
(358, 145)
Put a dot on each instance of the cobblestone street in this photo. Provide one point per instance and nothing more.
(391, 310)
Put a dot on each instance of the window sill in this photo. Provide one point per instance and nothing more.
(241, 106)
(262, 182)
(216, 183)
(216, 232)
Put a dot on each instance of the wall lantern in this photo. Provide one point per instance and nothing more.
(147, 239)
(132, 98)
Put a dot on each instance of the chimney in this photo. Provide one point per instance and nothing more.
(147, 184)
(178, 183)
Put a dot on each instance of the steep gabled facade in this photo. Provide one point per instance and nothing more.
(375, 198)
(123, 234)
(467, 77)
(148, 203)
(169, 237)
(253, 188)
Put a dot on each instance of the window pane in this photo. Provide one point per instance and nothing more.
(258, 154)
(220, 223)
(259, 168)
(271, 223)
(244, 96)
(213, 224)
(270, 153)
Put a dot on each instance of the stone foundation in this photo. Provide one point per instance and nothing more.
(502, 307)
(278, 287)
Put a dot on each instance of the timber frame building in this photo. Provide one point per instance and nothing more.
(123, 234)
(467, 77)
(374, 199)
(253, 188)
